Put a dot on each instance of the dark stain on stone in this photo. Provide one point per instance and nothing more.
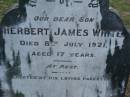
(16, 15)
(13, 17)
(2, 57)
(97, 91)
(29, 61)
(51, 38)
(16, 68)
(2, 46)
(19, 94)
(51, 51)
(118, 66)
(13, 70)
(110, 20)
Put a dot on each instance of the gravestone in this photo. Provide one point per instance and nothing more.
(63, 48)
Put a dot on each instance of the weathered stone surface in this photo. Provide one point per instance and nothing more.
(63, 49)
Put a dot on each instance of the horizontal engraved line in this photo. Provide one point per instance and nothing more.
(78, 1)
(54, 72)
(50, 0)
(62, 60)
